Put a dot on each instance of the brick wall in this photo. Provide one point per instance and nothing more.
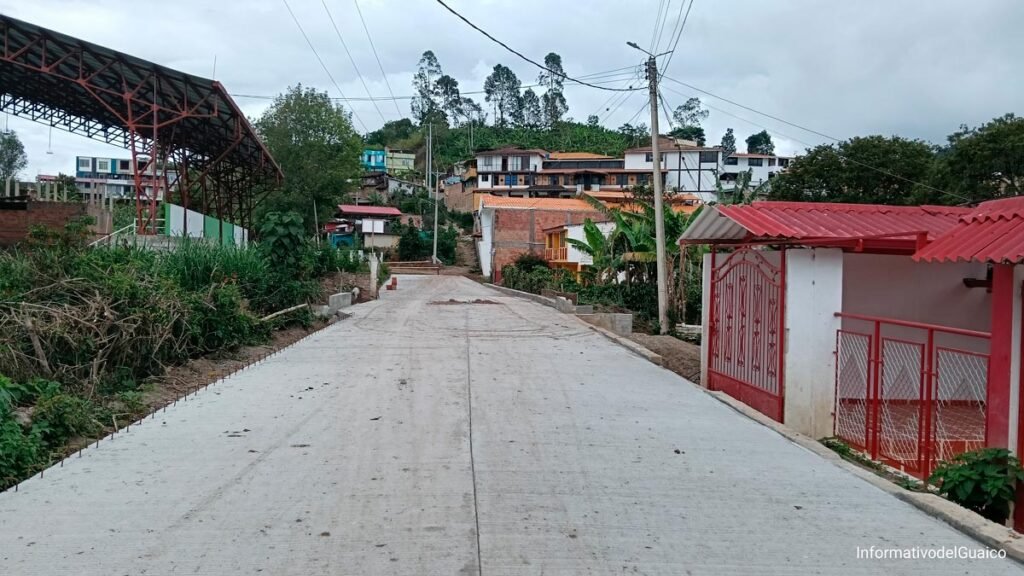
(459, 197)
(15, 224)
(517, 231)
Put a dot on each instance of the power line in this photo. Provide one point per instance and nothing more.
(657, 19)
(823, 135)
(678, 35)
(322, 65)
(519, 54)
(379, 65)
(671, 124)
(351, 59)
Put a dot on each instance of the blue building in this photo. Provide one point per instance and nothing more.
(373, 160)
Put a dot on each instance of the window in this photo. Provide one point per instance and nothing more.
(489, 163)
(649, 157)
(643, 179)
(784, 162)
(125, 164)
(755, 161)
(485, 177)
(622, 179)
(102, 165)
(709, 157)
(85, 164)
(515, 163)
(771, 161)
(732, 161)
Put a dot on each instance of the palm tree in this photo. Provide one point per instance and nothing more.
(605, 263)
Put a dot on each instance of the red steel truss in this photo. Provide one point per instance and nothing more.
(170, 121)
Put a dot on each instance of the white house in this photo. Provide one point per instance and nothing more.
(508, 168)
(687, 166)
(762, 167)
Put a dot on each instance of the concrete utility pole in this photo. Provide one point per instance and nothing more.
(659, 214)
(430, 177)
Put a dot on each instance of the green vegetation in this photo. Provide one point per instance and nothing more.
(81, 328)
(984, 481)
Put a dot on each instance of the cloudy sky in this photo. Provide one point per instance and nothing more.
(914, 68)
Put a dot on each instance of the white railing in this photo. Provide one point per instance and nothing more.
(129, 230)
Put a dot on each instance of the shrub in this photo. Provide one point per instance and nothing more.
(982, 480)
(412, 245)
(60, 416)
(528, 261)
(21, 452)
(219, 320)
(283, 238)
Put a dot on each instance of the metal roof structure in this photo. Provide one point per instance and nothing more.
(864, 227)
(993, 232)
(220, 164)
(357, 210)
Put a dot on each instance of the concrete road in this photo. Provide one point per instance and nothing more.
(427, 437)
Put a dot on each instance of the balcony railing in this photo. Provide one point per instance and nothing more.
(556, 254)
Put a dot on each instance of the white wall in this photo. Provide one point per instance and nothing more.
(180, 216)
(898, 287)
(574, 254)
(485, 247)
(814, 292)
(637, 161)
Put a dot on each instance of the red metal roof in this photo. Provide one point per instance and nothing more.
(992, 232)
(861, 226)
(356, 210)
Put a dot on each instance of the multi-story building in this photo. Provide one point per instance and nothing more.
(399, 161)
(762, 167)
(373, 160)
(537, 173)
(115, 177)
(688, 167)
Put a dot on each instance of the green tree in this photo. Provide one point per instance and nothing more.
(553, 102)
(532, 115)
(981, 163)
(317, 148)
(728, 143)
(601, 250)
(451, 101)
(635, 135)
(760, 143)
(870, 169)
(593, 121)
(12, 156)
(426, 104)
(688, 118)
(391, 133)
(502, 90)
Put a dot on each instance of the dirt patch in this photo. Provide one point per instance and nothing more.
(683, 358)
(194, 374)
(344, 282)
(452, 301)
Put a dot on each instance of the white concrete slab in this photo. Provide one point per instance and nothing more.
(381, 444)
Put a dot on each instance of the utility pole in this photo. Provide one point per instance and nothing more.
(659, 214)
(430, 177)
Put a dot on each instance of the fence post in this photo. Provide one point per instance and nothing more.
(925, 431)
(874, 388)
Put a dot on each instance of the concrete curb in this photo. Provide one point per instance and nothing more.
(626, 343)
(984, 531)
(527, 295)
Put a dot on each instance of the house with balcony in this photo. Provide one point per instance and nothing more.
(562, 254)
(115, 177)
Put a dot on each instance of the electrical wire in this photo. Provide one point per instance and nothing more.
(657, 19)
(352, 60)
(678, 35)
(520, 55)
(322, 65)
(823, 135)
(379, 65)
(671, 125)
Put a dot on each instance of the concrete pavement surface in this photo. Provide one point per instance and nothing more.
(431, 435)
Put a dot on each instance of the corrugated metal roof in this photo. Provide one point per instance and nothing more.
(993, 232)
(820, 222)
(356, 210)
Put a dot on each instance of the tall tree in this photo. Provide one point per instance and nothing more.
(982, 163)
(317, 148)
(862, 170)
(426, 104)
(760, 143)
(553, 80)
(391, 132)
(688, 118)
(593, 121)
(474, 113)
(532, 115)
(450, 100)
(728, 143)
(502, 90)
(12, 156)
(635, 135)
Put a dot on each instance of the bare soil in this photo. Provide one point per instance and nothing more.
(681, 357)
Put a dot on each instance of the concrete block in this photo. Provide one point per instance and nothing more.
(584, 309)
(621, 324)
(338, 301)
(564, 305)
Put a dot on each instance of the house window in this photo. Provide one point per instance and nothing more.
(709, 157)
(104, 165)
(515, 163)
(783, 162)
(489, 162)
(771, 161)
(732, 161)
(85, 164)
(622, 179)
(755, 161)
(125, 164)
(485, 177)
(649, 157)
(643, 179)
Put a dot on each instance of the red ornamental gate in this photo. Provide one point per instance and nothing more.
(746, 329)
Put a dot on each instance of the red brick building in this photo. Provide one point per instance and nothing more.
(513, 226)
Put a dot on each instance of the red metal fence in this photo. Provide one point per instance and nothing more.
(746, 325)
(910, 394)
